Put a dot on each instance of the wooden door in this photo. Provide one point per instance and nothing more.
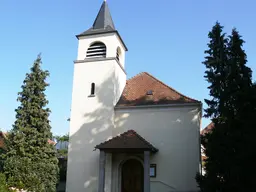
(132, 176)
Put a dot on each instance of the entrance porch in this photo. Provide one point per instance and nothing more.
(126, 160)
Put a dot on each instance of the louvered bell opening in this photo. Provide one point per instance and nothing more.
(97, 50)
(118, 51)
(117, 55)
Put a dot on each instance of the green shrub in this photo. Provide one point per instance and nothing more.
(3, 185)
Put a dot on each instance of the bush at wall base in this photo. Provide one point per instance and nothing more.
(3, 185)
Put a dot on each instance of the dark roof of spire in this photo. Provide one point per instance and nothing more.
(102, 24)
(103, 19)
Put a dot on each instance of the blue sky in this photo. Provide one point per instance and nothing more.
(165, 38)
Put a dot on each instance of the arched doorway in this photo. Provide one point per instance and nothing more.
(132, 176)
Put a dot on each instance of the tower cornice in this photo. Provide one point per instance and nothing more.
(100, 59)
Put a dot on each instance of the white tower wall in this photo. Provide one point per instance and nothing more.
(92, 117)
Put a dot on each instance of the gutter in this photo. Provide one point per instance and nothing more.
(199, 104)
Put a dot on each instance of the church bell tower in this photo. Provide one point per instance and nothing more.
(98, 82)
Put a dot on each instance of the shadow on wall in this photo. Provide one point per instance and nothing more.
(97, 127)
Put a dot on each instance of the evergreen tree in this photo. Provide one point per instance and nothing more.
(30, 161)
(232, 109)
(242, 127)
(216, 62)
(62, 138)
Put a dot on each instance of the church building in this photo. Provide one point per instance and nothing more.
(127, 135)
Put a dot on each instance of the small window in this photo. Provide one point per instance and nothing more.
(152, 170)
(149, 92)
(97, 50)
(92, 89)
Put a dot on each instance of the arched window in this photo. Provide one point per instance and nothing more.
(118, 53)
(96, 50)
(93, 89)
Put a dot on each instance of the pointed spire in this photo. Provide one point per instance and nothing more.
(104, 19)
(102, 24)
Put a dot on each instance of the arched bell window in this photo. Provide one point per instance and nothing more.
(118, 53)
(97, 50)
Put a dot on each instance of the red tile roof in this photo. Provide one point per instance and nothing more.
(137, 88)
(129, 140)
(208, 128)
(2, 137)
(51, 142)
(203, 158)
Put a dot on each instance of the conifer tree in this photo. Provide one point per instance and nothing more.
(242, 128)
(215, 62)
(30, 161)
(232, 109)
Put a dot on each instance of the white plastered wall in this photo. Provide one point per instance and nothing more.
(175, 132)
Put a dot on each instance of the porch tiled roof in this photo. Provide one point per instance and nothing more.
(129, 140)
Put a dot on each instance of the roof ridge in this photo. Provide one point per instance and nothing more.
(124, 134)
(138, 74)
(143, 139)
(170, 87)
(113, 138)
